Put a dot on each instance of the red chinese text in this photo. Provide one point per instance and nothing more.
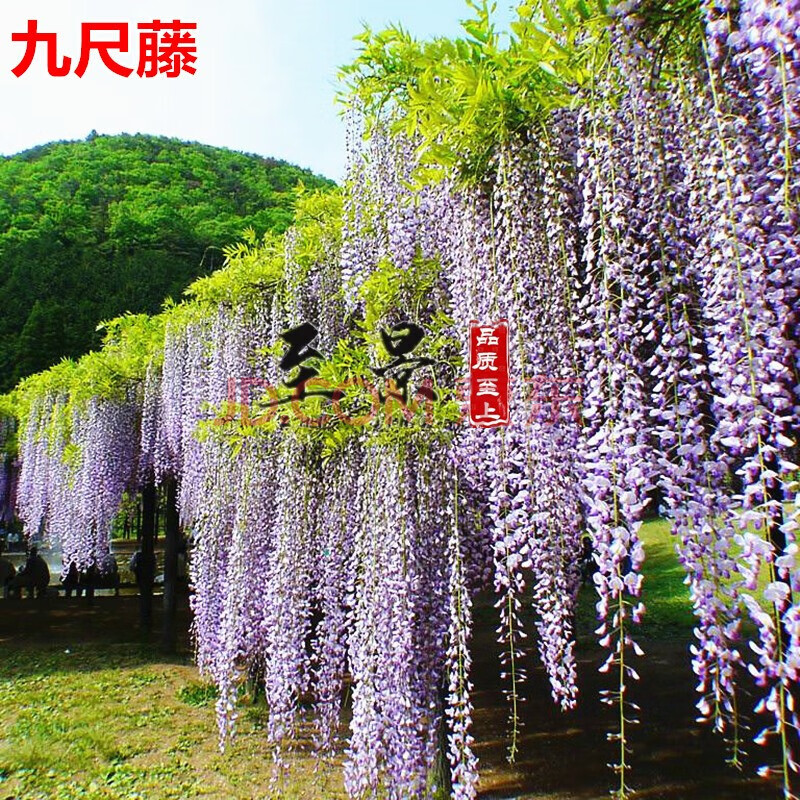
(488, 375)
(164, 48)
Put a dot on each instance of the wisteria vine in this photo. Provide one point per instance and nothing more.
(641, 240)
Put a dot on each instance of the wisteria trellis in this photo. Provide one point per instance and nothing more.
(643, 243)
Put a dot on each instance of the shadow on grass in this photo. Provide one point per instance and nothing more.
(59, 634)
(24, 661)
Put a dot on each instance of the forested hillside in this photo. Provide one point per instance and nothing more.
(91, 229)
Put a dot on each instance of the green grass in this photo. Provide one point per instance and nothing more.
(665, 594)
(198, 694)
(117, 721)
(664, 591)
(101, 721)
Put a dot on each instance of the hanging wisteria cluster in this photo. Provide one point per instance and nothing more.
(9, 469)
(76, 465)
(667, 271)
(642, 244)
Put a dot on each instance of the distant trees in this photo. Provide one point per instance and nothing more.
(91, 229)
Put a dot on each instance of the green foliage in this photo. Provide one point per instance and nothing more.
(254, 270)
(317, 233)
(251, 266)
(462, 98)
(256, 265)
(130, 343)
(388, 286)
(92, 229)
(675, 29)
(389, 291)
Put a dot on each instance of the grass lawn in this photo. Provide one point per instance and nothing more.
(120, 722)
(666, 596)
(92, 711)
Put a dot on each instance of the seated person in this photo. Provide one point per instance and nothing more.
(89, 580)
(71, 579)
(7, 571)
(110, 573)
(108, 565)
(34, 576)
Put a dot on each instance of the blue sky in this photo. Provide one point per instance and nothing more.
(265, 82)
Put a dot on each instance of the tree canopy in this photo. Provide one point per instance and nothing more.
(93, 229)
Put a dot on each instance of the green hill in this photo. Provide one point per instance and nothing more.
(91, 229)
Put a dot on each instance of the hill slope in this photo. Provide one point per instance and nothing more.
(91, 229)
